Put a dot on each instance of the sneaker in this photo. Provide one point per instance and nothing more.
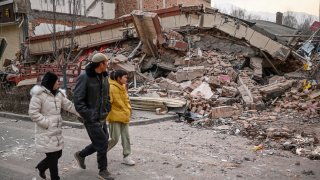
(128, 161)
(80, 160)
(105, 175)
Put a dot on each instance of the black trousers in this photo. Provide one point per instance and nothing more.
(51, 163)
(98, 134)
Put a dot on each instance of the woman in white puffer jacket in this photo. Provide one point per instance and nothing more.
(45, 110)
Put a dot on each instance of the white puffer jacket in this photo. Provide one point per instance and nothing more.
(45, 110)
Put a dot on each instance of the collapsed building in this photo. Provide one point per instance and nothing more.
(211, 68)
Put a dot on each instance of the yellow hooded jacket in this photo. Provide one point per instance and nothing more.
(120, 105)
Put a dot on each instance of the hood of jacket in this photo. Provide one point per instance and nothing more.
(38, 89)
(91, 71)
(115, 83)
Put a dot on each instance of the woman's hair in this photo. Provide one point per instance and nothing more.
(114, 75)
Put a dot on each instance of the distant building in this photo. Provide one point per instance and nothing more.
(20, 19)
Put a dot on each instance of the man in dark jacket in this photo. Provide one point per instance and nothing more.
(91, 100)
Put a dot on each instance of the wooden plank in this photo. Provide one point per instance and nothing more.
(168, 102)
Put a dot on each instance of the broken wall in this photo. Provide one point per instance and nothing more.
(212, 41)
(127, 6)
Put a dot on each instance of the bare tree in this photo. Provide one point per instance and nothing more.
(242, 14)
(238, 12)
(252, 17)
(305, 26)
(63, 46)
(290, 20)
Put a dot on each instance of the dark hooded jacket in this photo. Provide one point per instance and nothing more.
(91, 96)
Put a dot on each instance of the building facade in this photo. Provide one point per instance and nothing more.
(13, 27)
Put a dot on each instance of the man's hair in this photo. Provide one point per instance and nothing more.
(114, 75)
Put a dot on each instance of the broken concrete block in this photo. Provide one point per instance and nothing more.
(172, 76)
(224, 111)
(249, 93)
(174, 35)
(169, 84)
(161, 111)
(246, 94)
(180, 62)
(225, 64)
(202, 112)
(190, 73)
(225, 79)
(120, 58)
(275, 90)
(203, 91)
(296, 75)
(148, 27)
(256, 106)
(199, 108)
(177, 45)
(228, 91)
(214, 81)
(314, 94)
(226, 101)
(233, 74)
(162, 94)
(193, 86)
(276, 79)
(194, 109)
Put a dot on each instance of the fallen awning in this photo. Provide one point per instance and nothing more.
(27, 82)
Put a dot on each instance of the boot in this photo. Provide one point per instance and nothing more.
(105, 175)
(80, 160)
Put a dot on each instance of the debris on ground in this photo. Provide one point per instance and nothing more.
(219, 72)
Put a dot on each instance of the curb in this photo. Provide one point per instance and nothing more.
(80, 125)
(151, 121)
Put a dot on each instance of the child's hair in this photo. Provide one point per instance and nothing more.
(114, 75)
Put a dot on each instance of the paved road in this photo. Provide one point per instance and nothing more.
(165, 150)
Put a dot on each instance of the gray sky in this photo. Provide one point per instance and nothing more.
(307, 6)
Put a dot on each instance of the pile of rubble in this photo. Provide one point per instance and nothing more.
(239, 92)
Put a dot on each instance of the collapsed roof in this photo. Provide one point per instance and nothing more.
(259, 35)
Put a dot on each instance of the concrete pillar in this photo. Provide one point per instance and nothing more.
(279, 17)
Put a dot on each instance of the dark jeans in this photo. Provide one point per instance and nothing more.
(51, 162)
(99, 136)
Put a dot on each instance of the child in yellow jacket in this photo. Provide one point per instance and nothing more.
(120, 114)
